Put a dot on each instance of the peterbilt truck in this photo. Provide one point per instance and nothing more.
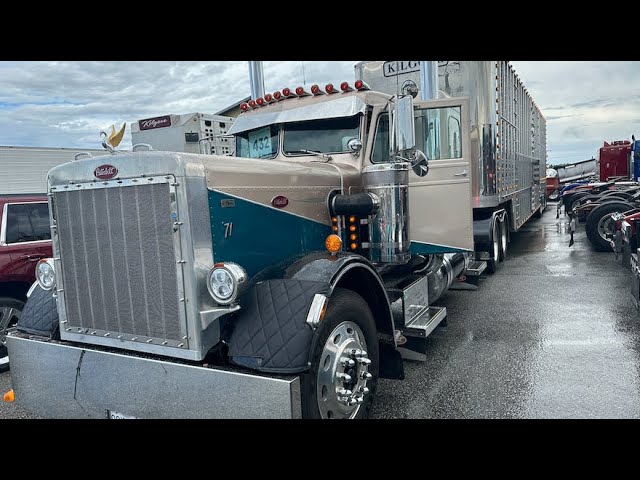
(283, 282)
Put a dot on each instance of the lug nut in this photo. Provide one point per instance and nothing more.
(364, 361)
(345, 377)
(356, 352)
(344, 392)
(347, 362)
(366, 375)
(364, 390)
(359, 399)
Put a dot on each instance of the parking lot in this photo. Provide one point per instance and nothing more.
(554, 334)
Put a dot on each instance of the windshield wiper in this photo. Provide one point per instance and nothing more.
(312, 152)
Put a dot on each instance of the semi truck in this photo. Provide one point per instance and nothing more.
(282, 282)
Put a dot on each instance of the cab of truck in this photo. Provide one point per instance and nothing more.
(25, 238)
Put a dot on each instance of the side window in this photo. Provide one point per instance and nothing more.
(27, 222)
(381, 142)
(439, 132)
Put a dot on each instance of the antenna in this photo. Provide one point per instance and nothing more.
(304, 78)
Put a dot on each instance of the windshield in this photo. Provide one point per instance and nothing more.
(324, 136)
(258, 143)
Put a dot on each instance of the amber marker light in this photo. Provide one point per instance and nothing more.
(333, 243)
(9, 397)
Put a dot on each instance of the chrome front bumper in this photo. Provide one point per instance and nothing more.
(56, 380)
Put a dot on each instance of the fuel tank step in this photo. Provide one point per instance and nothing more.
(476, 268)
(416, 332)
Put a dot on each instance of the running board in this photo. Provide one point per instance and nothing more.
(476, 268)
(416, 332)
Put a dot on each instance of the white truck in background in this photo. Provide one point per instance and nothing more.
(189, 133)
(23, 170)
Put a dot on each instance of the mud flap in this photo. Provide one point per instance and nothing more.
(270, 333)
(572, 228)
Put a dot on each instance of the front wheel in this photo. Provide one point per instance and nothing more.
(342, 378)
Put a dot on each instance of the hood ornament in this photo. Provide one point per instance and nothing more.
(112, 140)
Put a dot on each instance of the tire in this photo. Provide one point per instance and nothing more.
(504, 239)
(573, 201)
(597, 222)
(10, 310)
(347, 312)
(492, 264)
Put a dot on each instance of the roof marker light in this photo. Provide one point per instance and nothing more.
(260, 101)
(344, 86)
(330, 88)
(277, 96)
(244, 107)
(287, 92)
(252, 103)
(315, 89)
(268, 98)
(300, 91)
(360, 85)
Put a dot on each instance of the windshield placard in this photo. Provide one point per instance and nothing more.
(260, 143)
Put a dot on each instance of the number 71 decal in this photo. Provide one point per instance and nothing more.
(228, 229)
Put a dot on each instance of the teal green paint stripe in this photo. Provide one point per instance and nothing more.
(427, 248)
(259, 236)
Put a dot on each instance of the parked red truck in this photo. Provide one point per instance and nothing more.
(25, 238)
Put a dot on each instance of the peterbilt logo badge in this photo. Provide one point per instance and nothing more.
(279, 201)
(157, 122)
(104, 172)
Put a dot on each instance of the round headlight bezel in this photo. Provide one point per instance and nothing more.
(41, 273)
(238, 278)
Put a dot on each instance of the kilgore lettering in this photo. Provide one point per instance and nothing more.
(104, 172)
(157, 122)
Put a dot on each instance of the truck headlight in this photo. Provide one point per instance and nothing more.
(225, 282)
(46, 274)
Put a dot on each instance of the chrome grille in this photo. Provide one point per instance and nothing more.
(118, 260)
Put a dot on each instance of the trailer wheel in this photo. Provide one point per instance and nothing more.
(492, 264)
(504, 238)
(599, 223)
(10, 309)
(342, 379)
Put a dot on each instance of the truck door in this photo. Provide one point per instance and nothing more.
(440, 203)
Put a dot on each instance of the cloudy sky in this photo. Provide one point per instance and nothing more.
(66, 104)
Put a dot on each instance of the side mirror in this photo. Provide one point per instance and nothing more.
(420, 163)
(354, 145)
(404, 133)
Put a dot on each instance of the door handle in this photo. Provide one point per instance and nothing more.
(463, 173)
(36, 256)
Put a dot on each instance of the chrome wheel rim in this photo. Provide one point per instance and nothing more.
(496, 244)
(9, 316)
(606, 226)
(343, 372)
(503, 237)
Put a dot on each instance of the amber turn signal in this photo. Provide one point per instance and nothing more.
(9, 397)
(333, 243)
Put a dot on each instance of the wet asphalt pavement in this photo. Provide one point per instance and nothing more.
(554, 334)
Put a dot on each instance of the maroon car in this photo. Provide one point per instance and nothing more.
(25, 238)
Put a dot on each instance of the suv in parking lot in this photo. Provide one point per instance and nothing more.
(25, 238)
